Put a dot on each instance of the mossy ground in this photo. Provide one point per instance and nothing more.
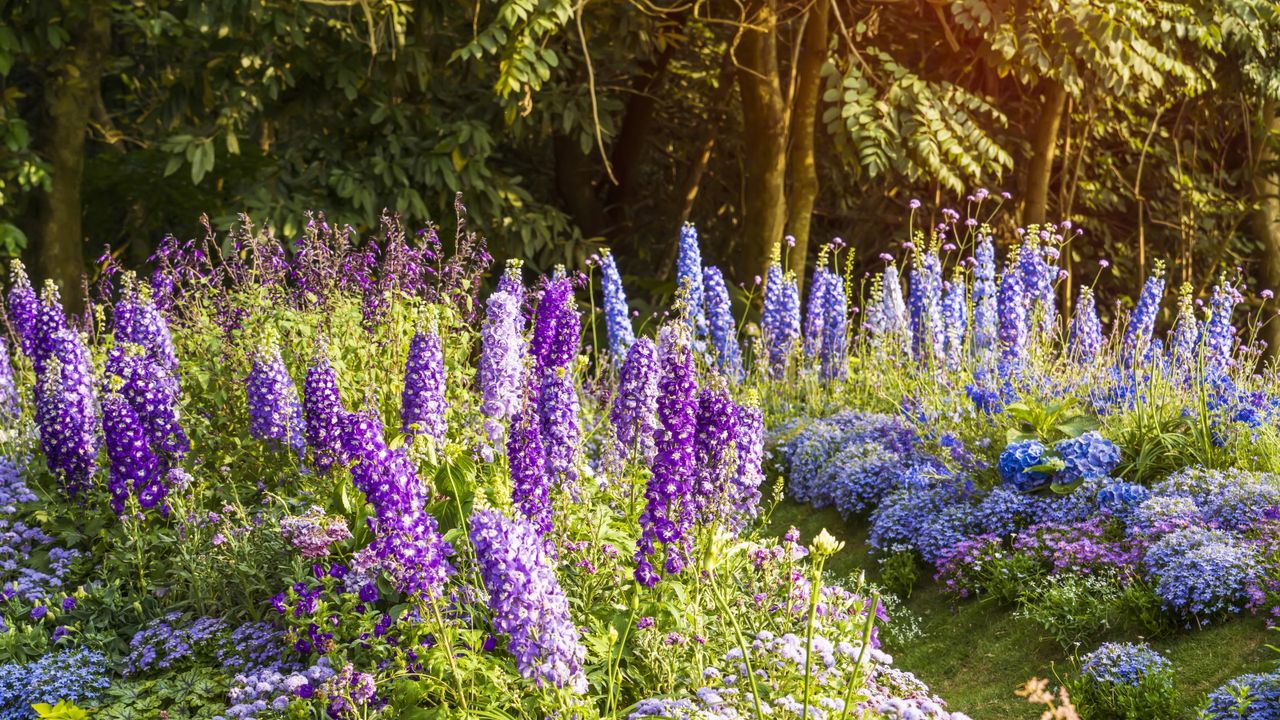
(975, 654)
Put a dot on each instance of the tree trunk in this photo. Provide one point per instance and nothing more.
(1044, 143)
(70, 94)
(802, 190)
(764, 143)
(1266, 219)
(574, 175)
(629, 147)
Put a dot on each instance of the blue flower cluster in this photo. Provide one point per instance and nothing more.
(1122, 498)
(1017, 460)
(21, 545)
(617, 318)
(1248, 697)
(1123, 663)
(1088, 456)
(79, 676)
(1233, 499)
(1201, 573)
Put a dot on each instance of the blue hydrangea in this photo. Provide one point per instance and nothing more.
(1087, 456)
(1123, 663)
(1017, 459)
(1248, 697)
(1121, 498)
(1201, 573)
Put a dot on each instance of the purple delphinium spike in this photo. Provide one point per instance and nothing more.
(323, 414)
(67, 413)
(24, 307)
(8, 386)
(510, 282)
(635, 407)
(527, 458)
(1086, 339)
(714, 440)
(955, 319)
(1219, 333)
(720, 323)
(1186, 330)
(689, 277)
(1137, 334)
(1013, 317)
(561, 431)
(814, 318)
(51, 320)
(134, 466)
(835, 330)
(780, 318)
(275, 414)
(527, 602)
(138, 321)
(1038, 276)
(616, 316)
(668, 512)
(502, 350)
(557, 327)
(423, 401)
(927, 330)
(897, 325)
(749, 472)
(986, 312)
(153, 393)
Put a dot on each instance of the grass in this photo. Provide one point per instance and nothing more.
(975, 654)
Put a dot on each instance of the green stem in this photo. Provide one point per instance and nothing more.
(856, 678)
(815, 589)
(742, 645)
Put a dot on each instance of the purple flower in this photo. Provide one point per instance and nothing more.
(137, 320)
(1086, 339)
(714, 442)
(616, 317)
(668, 514)
(502, 351)
(530, 482)
(557, 326)
(634, 411)
(134, 467)
(1185, 336)
(323, 414)
(423, 403)
(748, 475)
(689, 278)
(8, 386)
(24, 308)
(38, 612)
(1219, 333)
(985, 309)
(1013, 317)
(1137, 334)
(66, 411)
(561, 432)
(1087, 456)
(894, 310)
(724, 333)
(835, 330)
(780, 319)
(527, 602)
(955, 320)
(815, 317)
(927, 330)
(275, 415)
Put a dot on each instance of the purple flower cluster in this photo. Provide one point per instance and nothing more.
(927, 328)
(815, 314)
(21, 545)
(617, 318)
(986, 313)
(835, 330)
(635, 407)
(1137, 334)
(555, 345)
(1248, 697)
(1219, 337)
(1086, 340)
(13, 486)
(134, 467)
(8, 385)
(1013, 331)
(749, 473)
(1123, 664)
(323, 414)
(67, 412)
(720, 323)
(897, 326)
(275, 415)
(527, 458)
(780, 318)
(312, 532)
(502, 351)
(955, 321)
(526, 600)
(423, 405)
(138, 321)
(715, 440)
(1201, 573)
(24, 307)
(669, 510)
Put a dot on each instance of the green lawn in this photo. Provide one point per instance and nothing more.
(976, 654)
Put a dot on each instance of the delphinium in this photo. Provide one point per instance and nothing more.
(137, 320)
(275, 415)
(668, 514)
(1200, 574)
(135, 469)
(555, 347)
(1185, 335)
(873, 323)
(986, 313)
(313, 532)
(323, 413)
(67, 412)
(527, 459)
(8, 386)
(1125, 680)
(423, 403)
(955, 320)
(617, 318)
(1137, 334)
(714, 458)
(407, 545)
(835, 330)
(1038, 276)
(749, 471)
(927, 329)
(689, 278)
(1219, 337)
(77, 676)
(780, 317)
(1013, 317)
(897, 325)
(502, 350)
(720, 323)
(1085, 340)
(815, 313)
(635, 406)
(24, 307)
(1247, 697)
(50, 323)
(526, 601)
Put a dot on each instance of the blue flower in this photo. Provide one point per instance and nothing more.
(1126, 664)
(1017, 459)
(1087, 456)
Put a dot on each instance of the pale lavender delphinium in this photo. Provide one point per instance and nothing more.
(635, 407)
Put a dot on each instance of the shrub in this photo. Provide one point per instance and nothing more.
(1248, 697)
(1125, 681)
(1072, 608)
(1203, 574)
